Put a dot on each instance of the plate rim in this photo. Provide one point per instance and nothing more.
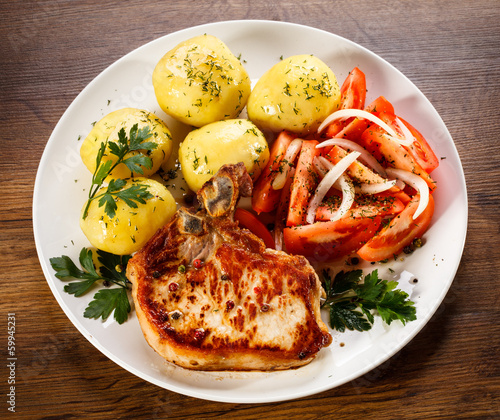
(172, 387)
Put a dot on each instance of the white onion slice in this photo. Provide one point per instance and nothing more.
(320, 167)
(323, 165)
(327, 165)
(348, 194)
(278, 239)
(327, 182)
(291, 153)
(417, 183)
(408, 138)
(375, 188)
(365, 157)
(359, 113)
(400, 184)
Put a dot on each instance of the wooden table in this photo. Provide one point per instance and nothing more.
(51, 50)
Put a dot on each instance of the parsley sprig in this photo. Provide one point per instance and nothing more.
(352, 302)
(112, 271)
(136, 141)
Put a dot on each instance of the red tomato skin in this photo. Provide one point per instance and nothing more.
(352, 129)
(382, 206)
(353, 90)
(329, 241)
(400, 232)
(352, 95)
(304, 183)
(381, 104)
(264, 197)
(356, 126)
(421, 150)
(387, 150)
(249, 221)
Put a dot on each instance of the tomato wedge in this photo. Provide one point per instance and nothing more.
(328, 241)
(420, 150)
(392, 153)
(381, 104)
(365, 206)
(249, 221)
(355, 128)
(353, 90)
(304, 183)
(361, 173)
(352, 95)
(400, 232)
(357, 171)
(264, 197)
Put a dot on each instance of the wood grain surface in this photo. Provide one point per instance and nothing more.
(50, 50)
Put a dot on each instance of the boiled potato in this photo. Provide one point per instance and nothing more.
(131, 228)
(206, 149)
(200, 81)
(296, 94)
(107, 129)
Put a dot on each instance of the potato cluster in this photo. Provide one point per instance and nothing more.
(131, 227)
(202, 84)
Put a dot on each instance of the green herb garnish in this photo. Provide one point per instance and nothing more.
(111, 272)
(352, 302)
(135, 194)
(136, 141)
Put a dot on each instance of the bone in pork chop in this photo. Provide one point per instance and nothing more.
(244, 307)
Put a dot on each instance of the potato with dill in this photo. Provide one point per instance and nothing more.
(108, 128)
(296, 94)
(130, 226)
(200, 81)
(206, 149)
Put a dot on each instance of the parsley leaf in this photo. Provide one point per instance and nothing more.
(113, 266)
(105, 301)
(394, 306)
(66, 269)
(131, 196)
(112, 271)
(343, 315)
(135, 142)
(352, 300)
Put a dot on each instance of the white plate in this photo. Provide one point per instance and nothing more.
(62, 179)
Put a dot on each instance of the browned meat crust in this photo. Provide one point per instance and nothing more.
(245, 308)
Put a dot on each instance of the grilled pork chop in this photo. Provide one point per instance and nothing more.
(210, 296)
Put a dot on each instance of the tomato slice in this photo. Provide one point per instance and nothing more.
(365, 206)
(420, 150)
(264, 197)
(355, 127)
(328, 241)
(361, 173)
(357, 171)
(249, 221)
(381, 104)
(400, 232)
(352, 95)
(391, 153)
(353, 90)
(304, 183)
